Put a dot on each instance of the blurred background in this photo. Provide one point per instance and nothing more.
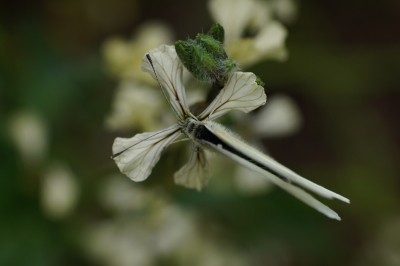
(70, 83)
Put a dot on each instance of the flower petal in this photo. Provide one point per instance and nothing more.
(194, 174)
(130, 99)
(233, 15)
(270, 41)
(241, 92)
(281, 117)
(169, 72)
(142, 152)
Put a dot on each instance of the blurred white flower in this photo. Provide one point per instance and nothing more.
(124, 58)
(30, 134)
(136, 103)
(119, 243)
(146, 228)
(59, 191)
(285, 10)
(146, 225)
(137, 106)
(203, 249)
(118, 195)
(280, 117)
(266, 38)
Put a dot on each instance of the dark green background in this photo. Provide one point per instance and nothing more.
(343, 71)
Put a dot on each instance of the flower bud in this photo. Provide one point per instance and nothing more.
(259, 81)
(213, 47)
(205, 56)
(217, 32)
(183, 49)
(205, 67)
(228, 66)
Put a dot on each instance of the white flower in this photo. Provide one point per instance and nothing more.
(279, 118)
(241, 92)
(285, 10)
(123, 58)
(29, 132)
(238, 17)
(59, 191)
(135, 92)
(145, 227)
(130, 101)
(137, 156)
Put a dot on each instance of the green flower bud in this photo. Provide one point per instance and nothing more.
(205, 69)
(217, 32)
(184, 49)
(259, 81)
(213, 47)
(228, 65)
(205, 57)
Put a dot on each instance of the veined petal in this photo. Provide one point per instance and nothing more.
(241, 92)
(194, 174)
(169, 71)
(142, 152)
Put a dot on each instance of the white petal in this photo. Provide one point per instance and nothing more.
(123, 57)
(233, 15)
(270, 41)
(295, 191)
(279, 117)
(235, 141)
(60, 191)
(130, 99)
(30, 133)
(254, 155)
(194, 174)
(138, 161)
(241, 92)
(169, 71)
(302, 195)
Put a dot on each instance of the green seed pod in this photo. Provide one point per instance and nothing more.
(217, 32)
(184, 51)
(213, 47)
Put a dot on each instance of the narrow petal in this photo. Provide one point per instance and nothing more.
(229, 144)
(241, 92)
(142, 152)
(302, 195)
(169, 72)
(291, 189)
(194, 174)
(278, 169)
